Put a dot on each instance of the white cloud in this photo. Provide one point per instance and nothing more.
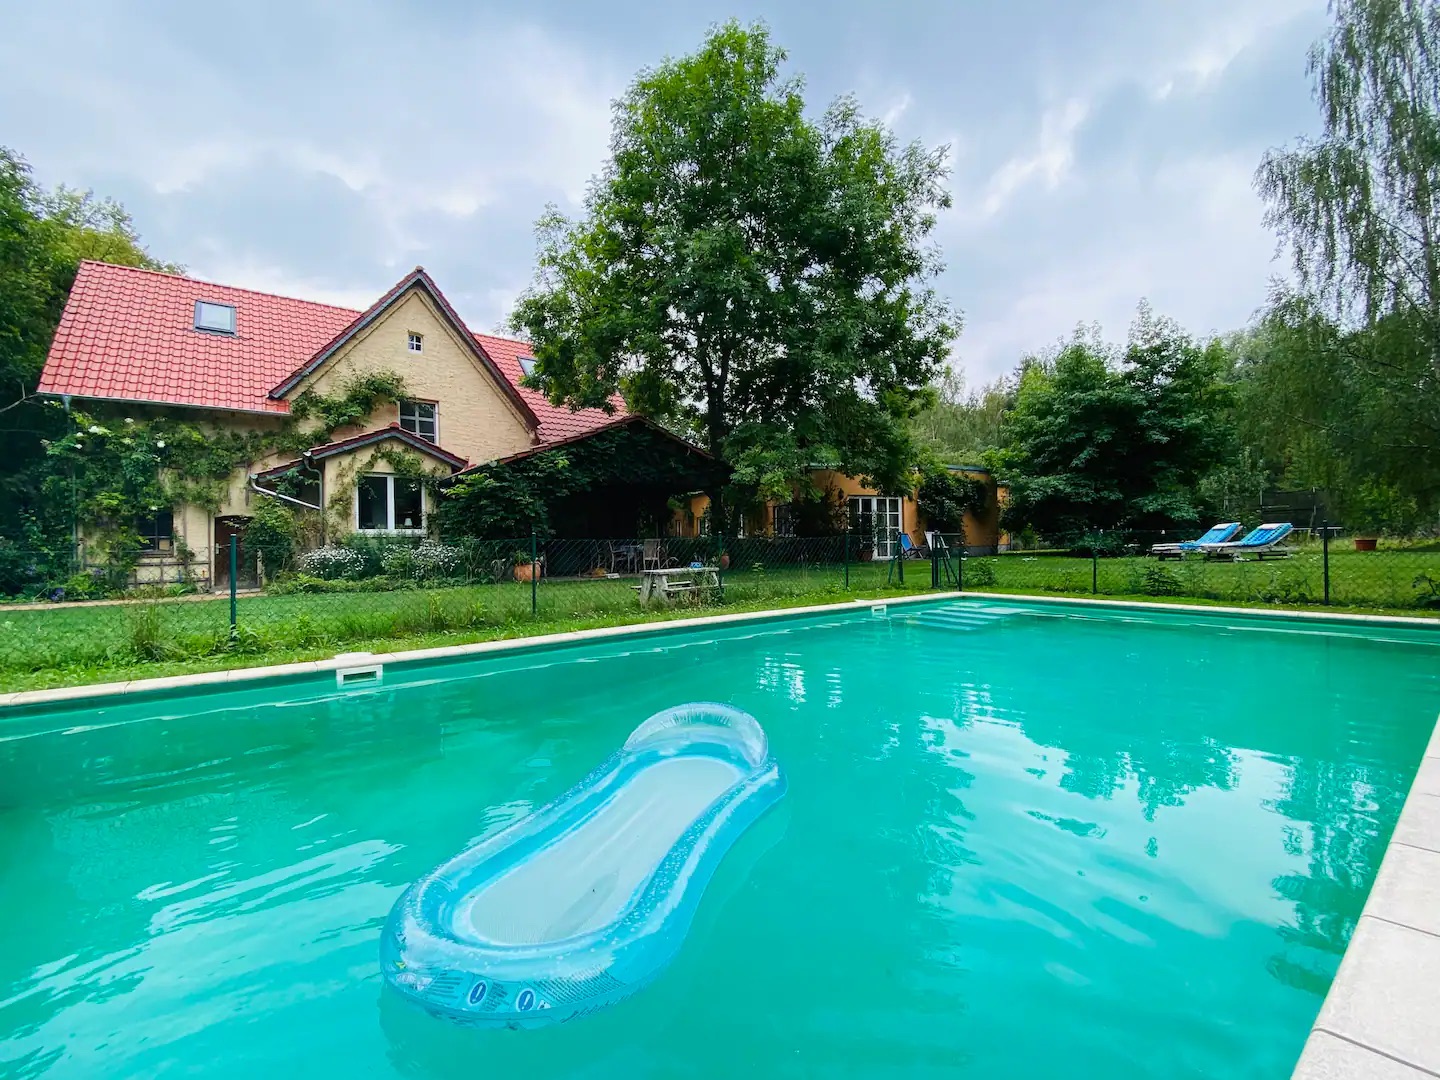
(1048, 162)
(1193, 245)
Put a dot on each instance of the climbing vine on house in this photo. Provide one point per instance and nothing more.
(114, 470)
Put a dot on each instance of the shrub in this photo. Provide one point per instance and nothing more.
(1160, 581)
(291, 584)
(428, 561)
(977, 574)
(272, 533)
(332, 563)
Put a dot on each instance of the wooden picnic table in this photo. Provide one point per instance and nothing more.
(663, 584)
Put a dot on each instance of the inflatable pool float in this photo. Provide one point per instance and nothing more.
(583, 902)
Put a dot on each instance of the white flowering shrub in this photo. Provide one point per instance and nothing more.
(332, 563)
(427, 561)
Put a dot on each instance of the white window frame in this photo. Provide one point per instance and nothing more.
(390, 479)
(886, 510)
(414, 341)
(434, 419)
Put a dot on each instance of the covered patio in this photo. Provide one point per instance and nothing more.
(600, 502)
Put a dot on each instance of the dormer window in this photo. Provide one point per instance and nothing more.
(417, 342)
(214, 318)
(527, 365)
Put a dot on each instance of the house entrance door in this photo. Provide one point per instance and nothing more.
(247, 577)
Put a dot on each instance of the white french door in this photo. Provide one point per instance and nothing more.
(877, 518)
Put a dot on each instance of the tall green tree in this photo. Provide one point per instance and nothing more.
(44, 236)
(1103, 438)
(961, 425)
(1358, 206)
(743, 272)
(1353, 392)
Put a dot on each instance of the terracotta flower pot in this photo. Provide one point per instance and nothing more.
(526, 571)
(724, 562)
(1364, 543)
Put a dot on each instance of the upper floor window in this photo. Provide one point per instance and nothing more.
(527, 365)
(421, 418)
(417, 341)
(214, 318)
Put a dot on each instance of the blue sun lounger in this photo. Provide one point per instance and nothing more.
(1260, 541)
(1218, 534)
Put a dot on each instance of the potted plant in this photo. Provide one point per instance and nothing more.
(525, 569)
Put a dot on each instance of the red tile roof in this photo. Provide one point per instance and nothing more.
(129, 335)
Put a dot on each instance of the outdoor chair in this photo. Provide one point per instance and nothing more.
(1218, 534)
(653, 555)
(908, 550)
(1262, 542)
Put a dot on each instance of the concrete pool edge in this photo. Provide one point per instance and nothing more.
(1378, 1019)
(73, 694)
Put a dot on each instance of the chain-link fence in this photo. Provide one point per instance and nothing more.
(369, 592)
(1313, 569)
(366, 594)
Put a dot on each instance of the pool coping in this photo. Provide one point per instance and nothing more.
(1377, 1020)
(61, 694)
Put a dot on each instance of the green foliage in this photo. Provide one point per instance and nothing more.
(503, 500)
(109, 471)
(960, 427)
(272, 533)
(360, 395)
(1358, 205)
(979, 573)
(1159, 580)
(943, 497)
(750, 275)
(1342, 410)
(1103, 438)
(1376, 508)
(43, 238)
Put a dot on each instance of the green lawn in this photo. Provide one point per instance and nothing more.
(63, 645)
(1397, 579)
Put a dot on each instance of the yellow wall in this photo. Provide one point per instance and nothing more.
(478, 420)
(982, 530)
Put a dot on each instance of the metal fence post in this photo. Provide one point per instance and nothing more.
(720, 563)
(1095, 565)
(1325, 556)
(234, 573)
(959, 565)
(846, 558)
(899, 555)
(534, 573)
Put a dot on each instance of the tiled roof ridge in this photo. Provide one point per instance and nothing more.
(216, 284)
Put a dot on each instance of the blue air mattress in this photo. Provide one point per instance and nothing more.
(584, 901)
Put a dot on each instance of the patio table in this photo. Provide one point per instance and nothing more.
(663, 584)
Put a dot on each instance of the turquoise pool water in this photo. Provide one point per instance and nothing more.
(1039, 845)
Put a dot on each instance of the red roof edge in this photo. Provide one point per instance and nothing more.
(394, 431)
(611, 425)
(417, 277)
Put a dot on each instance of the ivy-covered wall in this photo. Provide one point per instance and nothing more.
(120, 464)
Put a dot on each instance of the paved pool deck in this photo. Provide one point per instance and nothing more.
(1381, 1017)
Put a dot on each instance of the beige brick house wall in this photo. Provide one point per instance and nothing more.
(477, 418)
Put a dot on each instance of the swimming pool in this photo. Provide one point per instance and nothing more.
(1034, 841)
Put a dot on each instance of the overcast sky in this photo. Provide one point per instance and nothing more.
(1103, 151)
